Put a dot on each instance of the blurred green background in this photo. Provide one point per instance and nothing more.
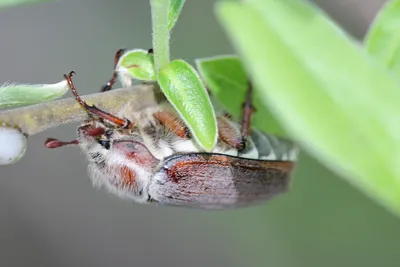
(51, 215)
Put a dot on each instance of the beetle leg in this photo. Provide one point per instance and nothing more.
(108, 86)
(229, 134)
(123, 123)
(248, 110)
(172, 123)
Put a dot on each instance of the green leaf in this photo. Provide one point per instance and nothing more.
(137, 64)
(15, 95)
(383, 38)
(185, 91)
(9, 3)
(174, 11)
(227, 79)
(328, 93)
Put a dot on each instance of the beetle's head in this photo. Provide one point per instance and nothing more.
(119, 159)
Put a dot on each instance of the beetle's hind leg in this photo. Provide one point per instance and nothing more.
(228, 133)
(248, 110)
(248, 150)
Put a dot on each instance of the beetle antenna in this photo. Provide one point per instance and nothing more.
(108, 86)
(248, 110)
(123, 123)
(55, 143)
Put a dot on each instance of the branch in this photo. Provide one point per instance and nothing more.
(159, 15)
(38, 118)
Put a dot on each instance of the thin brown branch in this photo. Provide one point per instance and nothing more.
(37, 118)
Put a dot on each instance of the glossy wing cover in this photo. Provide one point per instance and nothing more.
(216, 181)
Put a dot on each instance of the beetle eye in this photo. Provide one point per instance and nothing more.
(105, 144)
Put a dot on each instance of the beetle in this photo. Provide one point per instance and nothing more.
(146, 154)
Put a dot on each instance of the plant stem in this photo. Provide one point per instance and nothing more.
(159, 16)
(37, 118)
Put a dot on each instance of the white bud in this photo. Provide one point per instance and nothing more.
(12, 145)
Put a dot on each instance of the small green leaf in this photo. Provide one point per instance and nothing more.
(183, 88)
(137, 64)
(227, 79)
(15, 95)
(327, 92)
(9, 3)
(383, 38)
(175, 9)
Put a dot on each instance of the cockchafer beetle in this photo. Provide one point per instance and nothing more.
(146, 154)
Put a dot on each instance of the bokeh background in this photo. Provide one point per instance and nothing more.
(51, 215)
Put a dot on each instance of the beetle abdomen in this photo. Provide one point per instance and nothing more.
(271, 147)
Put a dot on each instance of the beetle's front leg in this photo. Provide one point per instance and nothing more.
(172, 123)
(93, 110)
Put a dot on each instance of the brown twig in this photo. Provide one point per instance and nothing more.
(38, 118)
